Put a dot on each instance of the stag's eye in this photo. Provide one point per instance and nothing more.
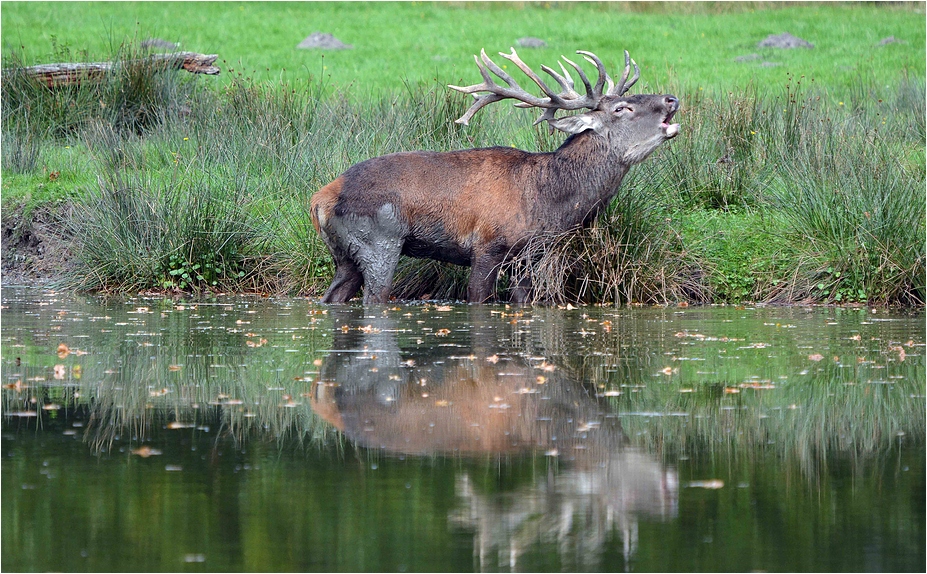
(623, 107)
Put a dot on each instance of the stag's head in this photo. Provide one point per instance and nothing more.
(633, 125)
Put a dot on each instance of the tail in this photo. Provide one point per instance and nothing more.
(322, 204)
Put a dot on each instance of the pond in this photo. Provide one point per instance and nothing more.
(250, 434)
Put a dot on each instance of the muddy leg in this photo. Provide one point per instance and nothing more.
(346, 283)
(378, 264)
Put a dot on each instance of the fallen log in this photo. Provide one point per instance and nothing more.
(66, 74)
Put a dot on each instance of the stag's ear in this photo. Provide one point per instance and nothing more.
(577, 124)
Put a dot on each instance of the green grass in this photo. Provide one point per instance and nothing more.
(203, 183)
(678, 45)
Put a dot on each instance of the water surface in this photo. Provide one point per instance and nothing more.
(277, 435)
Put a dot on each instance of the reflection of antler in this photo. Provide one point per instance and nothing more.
(567, 99)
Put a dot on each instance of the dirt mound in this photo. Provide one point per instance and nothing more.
(784, 40)
(530, 42)
(323, 41)
(158, 44)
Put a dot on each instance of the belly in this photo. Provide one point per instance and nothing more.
(441, 249)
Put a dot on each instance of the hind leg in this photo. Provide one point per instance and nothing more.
(378, 263)
(346, 283)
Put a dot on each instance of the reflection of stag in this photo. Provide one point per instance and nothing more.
(480, 400)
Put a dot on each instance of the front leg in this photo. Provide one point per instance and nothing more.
(483, 273)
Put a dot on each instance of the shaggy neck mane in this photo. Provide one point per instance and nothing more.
(577, 181)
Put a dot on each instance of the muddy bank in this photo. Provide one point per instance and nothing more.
(35, 247)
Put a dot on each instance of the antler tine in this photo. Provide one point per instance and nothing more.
(496, 92)
(603, 75)
(565, 81)
(582, 75)
(624, 85)
(513, 57)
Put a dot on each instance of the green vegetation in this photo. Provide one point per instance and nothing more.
(802, 181)
(679, 44)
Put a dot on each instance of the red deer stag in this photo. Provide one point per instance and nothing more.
(479, 207)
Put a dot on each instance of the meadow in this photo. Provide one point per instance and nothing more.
(799, 174)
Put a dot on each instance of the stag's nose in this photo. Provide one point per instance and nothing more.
(672, 102)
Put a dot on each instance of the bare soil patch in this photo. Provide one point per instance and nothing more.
(35, 247)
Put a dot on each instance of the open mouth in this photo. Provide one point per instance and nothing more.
(669, 130)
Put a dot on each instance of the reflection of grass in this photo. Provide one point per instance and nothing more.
(759, 381)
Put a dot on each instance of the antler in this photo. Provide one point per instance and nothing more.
(624, 85)
(551, 102)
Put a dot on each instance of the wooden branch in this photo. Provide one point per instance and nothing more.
(56, 75)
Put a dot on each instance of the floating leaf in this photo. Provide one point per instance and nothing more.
(173, 425)
(17, 386)
(713, 484)
(146, 451)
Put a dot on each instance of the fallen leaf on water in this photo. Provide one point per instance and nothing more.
(173, 425)
(757, 385)
(441, 403)
(173, 367)
(731, 390)
(60, 372)
(815, 357)
(17, 386)
(63, 351)
(493, 359)
(442, 332)
(317, 362)
(443, 308)
(51, 407)
(713, 484)
(146, 451)
(901, 353)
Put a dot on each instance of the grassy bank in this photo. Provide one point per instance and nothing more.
(797, 190)
(681, 44)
